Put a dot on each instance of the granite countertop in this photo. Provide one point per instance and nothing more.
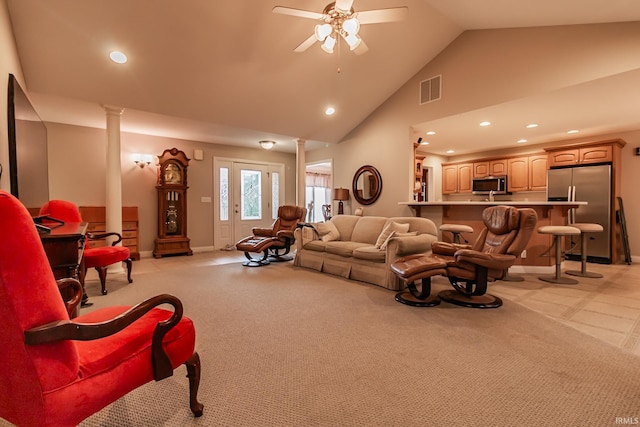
(496, 202)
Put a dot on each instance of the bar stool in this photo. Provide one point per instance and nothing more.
(456, 230)
(558, 231)
(585, 228)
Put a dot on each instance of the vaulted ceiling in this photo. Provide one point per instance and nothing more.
(225, 71)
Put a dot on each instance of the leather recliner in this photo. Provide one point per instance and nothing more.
(274, 242)
(505, 235)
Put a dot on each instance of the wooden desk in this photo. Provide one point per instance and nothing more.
(64, 246)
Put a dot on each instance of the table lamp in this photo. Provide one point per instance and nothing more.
(340, 194)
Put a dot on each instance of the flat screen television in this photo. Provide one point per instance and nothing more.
(28, 159)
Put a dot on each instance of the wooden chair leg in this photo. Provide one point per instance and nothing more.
(128, 263)
(193, 373)
(102, 273)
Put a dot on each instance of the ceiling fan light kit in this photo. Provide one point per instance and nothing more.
(329, 44)
(341, 21)
(337, 22)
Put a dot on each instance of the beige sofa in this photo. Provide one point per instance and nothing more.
(358, 252)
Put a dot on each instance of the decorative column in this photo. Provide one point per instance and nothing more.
(301, 173)
(114, 177)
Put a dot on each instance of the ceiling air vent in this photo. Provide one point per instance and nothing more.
(430, 89)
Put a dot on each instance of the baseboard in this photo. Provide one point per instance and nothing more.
(532, 269)
(197, 250)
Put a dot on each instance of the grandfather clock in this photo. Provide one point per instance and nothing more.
(172, 204)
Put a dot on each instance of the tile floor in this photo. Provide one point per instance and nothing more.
(606, 308)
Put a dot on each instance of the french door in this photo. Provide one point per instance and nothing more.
(247, 195)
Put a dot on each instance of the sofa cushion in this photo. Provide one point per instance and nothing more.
(315, 245)
(327, 231)
(344, 249)
(389, 228)
(396, 234)
(369, 253)
(345, 225)
(368, 229)
(419, 224)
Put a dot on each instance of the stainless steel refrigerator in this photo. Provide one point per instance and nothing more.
(591, 184)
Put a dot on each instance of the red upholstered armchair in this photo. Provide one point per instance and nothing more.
(99, 258)
(274, 242)
(57, 372)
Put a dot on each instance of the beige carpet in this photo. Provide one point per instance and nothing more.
(282, 346)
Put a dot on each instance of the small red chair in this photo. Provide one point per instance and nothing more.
(99, 258)
(57, 372)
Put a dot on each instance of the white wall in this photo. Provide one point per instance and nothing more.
(479, 69)
(77, 173)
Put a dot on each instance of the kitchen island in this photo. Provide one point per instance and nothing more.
(469, 213)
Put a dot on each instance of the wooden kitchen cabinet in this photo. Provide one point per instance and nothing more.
(538, 166)
(465, 175)
(564, 157)
(417, 187)
(480, 169)
(457, 178)
(496, 167)
(449, 179)
(581, 155)
(527, 173)
(518, 174)
(597, 154)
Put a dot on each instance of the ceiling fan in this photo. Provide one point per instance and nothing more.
(339, 20)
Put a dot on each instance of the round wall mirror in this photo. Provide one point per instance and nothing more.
(367, 185)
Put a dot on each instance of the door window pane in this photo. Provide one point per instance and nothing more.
(250, 194)
(275, 194)
(224, 194)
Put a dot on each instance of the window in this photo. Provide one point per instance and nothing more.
(224, 194)
(318, 193)
(275, 194)
(250, 194)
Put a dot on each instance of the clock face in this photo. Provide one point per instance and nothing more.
(172, 174)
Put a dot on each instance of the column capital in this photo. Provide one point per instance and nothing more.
(112, 109)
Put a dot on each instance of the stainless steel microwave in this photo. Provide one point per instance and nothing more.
(487, 184)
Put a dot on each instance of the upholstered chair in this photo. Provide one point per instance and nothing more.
(505, 235)
(57, 371)
(99, 258)
(273, 242)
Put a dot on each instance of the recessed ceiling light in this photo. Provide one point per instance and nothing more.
(330, 111)
(485, 124)
(520, 141)
(573, 131)
(118, 57)
(431, 132)
(532, 125)
(450, 151)
(424, 143)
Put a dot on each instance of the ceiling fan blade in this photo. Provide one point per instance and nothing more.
(297, 12)
(306, 44)
(344, 5)
(362, 48)
(383, 15)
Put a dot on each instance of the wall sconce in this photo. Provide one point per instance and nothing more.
(142, 160)
(340, 194)
(267, 145)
